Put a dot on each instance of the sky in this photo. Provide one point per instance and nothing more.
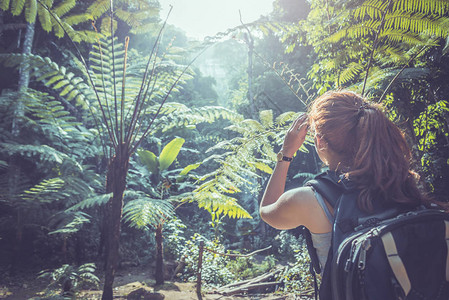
(201, 18)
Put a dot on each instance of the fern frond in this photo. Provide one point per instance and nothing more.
(178, 115)
(393, 37)
(218, 204)
(17, 7)
(372, 9)
(289, 116)
(52, 75)
(96, 200)
(98, 8)
(45, 18)
(262, 166)
(356, 31)
(145, 211)
(42, 190)
(37, 152)
(266, 118)
(251, 151)
(4, 4)
(68, 223)
(64, 7)
(30, 11)
(430, 7)
(415, 22)
(350, 72)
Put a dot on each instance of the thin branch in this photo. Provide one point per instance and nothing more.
(154, 50)
(328, 17)
(113, 71)
(376, 39)
(122, 103)
(237, 255)
(399, 73)
(153, 78)
(283, 79)
(250, 43)
(109, 119)
(164, 100)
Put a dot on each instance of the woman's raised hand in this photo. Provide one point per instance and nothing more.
(295, 136)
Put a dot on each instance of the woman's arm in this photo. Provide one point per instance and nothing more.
(286, 210)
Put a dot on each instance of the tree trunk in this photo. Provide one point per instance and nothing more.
(14, 166)
(159, 275)
(115, 183)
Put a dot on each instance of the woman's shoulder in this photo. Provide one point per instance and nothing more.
(300, 194)
(297, 207)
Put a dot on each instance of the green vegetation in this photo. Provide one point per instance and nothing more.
(116, 152)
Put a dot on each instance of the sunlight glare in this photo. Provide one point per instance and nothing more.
(201, 18)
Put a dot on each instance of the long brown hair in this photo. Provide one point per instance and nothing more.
(374, 152)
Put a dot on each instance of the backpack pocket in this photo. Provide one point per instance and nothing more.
(402, 258)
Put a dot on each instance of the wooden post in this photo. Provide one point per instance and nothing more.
(198, 272)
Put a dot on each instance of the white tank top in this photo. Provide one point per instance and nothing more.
(322, 241)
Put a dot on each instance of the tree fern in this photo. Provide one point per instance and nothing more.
(59, 146)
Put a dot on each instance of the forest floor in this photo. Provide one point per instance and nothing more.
(22, 287)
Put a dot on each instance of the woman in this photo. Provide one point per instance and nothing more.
(355, 139)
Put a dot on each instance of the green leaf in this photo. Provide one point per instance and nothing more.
(169, 153)
(4, 4)
(17, 7)
(263, 167)
(31, 11)
(146, 211)
(149, 159)
(189, 168)
(266, 118)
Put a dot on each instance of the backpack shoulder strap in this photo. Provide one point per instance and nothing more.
(328, 185)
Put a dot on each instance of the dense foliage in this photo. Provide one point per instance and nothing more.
(200, 139)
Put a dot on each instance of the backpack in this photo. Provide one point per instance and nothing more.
(391, 253)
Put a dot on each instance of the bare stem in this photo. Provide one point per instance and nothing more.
(135, 118)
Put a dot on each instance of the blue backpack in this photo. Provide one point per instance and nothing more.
(392, 253)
